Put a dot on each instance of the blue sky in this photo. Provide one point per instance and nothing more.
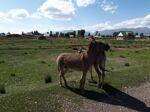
(18, 16)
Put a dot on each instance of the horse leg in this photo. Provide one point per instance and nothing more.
(63, 75)
(82, 81)
(65, 80)
(60, 78)
(103, 73)
(90, 70)
(99, 75)
(103, 77)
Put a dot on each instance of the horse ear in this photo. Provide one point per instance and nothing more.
(92, 39)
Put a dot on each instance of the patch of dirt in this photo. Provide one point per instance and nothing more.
(134, 99)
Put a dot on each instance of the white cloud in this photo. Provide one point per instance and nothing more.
(132, 23)
(108, 6)
(5, 18)
(18, 13)
(85, 3)
(57, 9)
(99, 27)
(36, 15)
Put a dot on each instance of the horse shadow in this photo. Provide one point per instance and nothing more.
(115, 97)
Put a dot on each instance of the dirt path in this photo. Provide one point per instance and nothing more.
(135, 99)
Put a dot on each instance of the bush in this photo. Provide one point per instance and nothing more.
(43, 62)
(13, 74)
(48, 79)
(127, 64)
(25, 53)
(121, 56)
(137, 51)
(2, 89)
(2, 61)
(75, 48)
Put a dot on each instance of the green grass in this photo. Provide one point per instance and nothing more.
(25, 63)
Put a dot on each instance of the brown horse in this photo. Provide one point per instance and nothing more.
(100, 62)
(79, 61)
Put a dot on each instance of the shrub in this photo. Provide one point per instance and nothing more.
(137, 51)
(43, 62)
(25, 53)
(48, 79)
(127, 64)
(121, 56)
(129, 46)
(2, 61)
(2, 89)
(13, 74)
(75, 48)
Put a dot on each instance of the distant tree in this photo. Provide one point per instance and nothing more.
(115, 34)
(66, 35)
(57, 34)
(36, 33)
(61, 34)
(141, 35)
(22, 33)
(89, 34)
(74, 33)
(96, 33)
(8, 33)
(136, 33)
(81, 33)
(50, 33)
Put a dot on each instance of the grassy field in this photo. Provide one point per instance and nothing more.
(25, 63)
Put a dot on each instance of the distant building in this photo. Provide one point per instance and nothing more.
(29, 34)
(71, 36)
(137, 36)
(13, 35)
(98, 36)
(125, 35)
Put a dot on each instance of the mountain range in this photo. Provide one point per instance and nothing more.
(144, 30)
